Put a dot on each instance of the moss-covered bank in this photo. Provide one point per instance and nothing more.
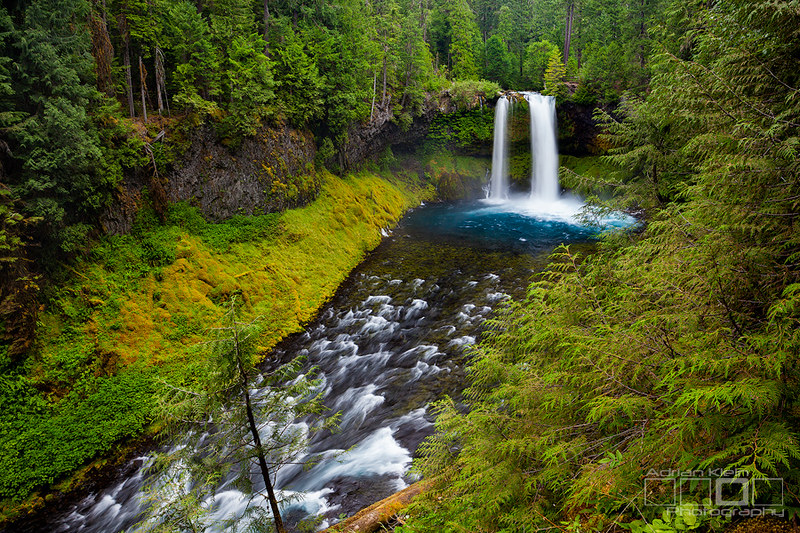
(137, 308)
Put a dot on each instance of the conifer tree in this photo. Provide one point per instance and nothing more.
(299, 82)
(52, 132)
(464, 40)
(537, 57)
(671, 348)
(235, 432)
(555, 77)
(498, 65)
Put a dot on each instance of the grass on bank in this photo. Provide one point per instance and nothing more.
(137, 308)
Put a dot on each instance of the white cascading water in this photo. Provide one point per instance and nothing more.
(498, 185)
(544, 167)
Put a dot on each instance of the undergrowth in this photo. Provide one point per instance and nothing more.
(136, 308)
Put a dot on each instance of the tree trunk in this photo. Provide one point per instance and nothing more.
(142, 88)
(159, 68)
(102, 50)
(383, 98)
(161, 81)
(266, 27)
(262, 460)
(262, 463)
(374, 95)
(409, 72)
(568, 30)
(126, 61)
(642, 34)
(422, 21)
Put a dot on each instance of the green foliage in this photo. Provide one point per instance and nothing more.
(647, 142)
(464, 39)
(188, 37)
(245, 427)
(41, 442)
(605, 72)
(132, 310)
(688, 516)
(319, 65)
(464, 129)
(469, 94)
(498, 65)
(220, 236)
(555, 77)
(299, 79)
(19, 306)
(537, 57)
(674, 347)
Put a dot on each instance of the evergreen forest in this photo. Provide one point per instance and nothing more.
(671, 347)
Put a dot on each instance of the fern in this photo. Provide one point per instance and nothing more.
(674, 348)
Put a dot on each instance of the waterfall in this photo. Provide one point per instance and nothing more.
(498, 186)
(544, 167)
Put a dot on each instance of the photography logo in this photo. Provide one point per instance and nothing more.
(723, 492)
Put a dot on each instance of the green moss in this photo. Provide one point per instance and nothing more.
(465, 129)
(519, 166)
(455, 177)
(137, 308)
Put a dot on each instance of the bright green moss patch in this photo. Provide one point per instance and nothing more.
(139, 306)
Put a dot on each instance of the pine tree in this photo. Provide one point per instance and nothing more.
(188, 41)
(300, 85)
(232, 433)
(498, 65)
(555, 77)
(537, 57)
(51, 130)
(464, 41)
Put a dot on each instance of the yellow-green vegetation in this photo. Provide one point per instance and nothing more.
(285, 271)
(137, 309)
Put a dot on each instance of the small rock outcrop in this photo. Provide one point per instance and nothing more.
(384, 129)
(270, 171)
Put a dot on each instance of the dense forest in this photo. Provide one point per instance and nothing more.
(671, 348)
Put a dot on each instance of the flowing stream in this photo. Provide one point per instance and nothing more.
(395, 337)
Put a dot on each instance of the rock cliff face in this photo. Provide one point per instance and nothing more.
(577, 130)
(371, 137)
(274, 170)
(270, 171)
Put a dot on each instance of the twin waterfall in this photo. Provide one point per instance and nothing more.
(498, 185)
(544, 152)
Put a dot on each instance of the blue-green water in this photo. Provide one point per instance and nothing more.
(519, 226)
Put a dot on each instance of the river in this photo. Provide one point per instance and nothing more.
(395, 337)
